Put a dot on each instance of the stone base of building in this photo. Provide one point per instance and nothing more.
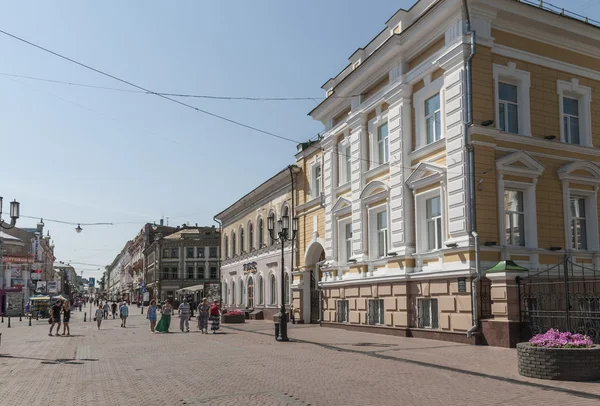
(450, 336)
(500, 333)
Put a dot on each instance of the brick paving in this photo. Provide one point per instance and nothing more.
(244, 365)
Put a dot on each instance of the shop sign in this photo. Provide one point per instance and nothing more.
(17, 283)
(250, 267)
(15, 273)
(36, 267)
(13, 259)
(36, 276)
(52, 286)
(41, 286)
(271, 264)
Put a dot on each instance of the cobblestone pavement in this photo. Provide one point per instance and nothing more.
(244, 365)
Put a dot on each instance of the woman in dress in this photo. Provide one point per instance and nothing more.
(203, 311)
(215, 312)
(165, 320)
(151, 315)
(66, 317)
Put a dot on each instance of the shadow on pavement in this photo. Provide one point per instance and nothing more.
(51, 361)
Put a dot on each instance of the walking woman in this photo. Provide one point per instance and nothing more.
(66, 317)
(151, 315)
(99, 315)
(203, 311)
(165, 320)
(215, 312)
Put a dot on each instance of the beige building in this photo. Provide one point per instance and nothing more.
(251, 262)
(458, 137)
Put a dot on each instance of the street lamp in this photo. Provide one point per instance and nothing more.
(282, 235)
(14, 214)
(78, 228)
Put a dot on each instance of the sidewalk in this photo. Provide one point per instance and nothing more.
(244, 365)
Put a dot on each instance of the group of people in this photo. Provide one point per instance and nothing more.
(206, 312)
(55, 317)
(103, 311)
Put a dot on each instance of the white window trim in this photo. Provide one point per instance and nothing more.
(372, 128)
(373, 243)
(342, 255)
(313, 165)
(591, 216)
(421, 218)
(344, 177)
(510, 74)
(529, 203)
(430, 90)
(583, 95)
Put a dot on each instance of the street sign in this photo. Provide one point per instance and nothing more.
(52, 286)
(92, 282)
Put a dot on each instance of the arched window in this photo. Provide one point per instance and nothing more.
(226, 243)
(261, 291)
(225, 293)
(241, 292)
(261, 233)
(250, 236)
(232, 302)
(250, 289)
(233, 243)
(241, 240)
(287, 288)
(273, 290)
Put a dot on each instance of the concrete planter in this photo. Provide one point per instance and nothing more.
(233, 318)
(562, 364)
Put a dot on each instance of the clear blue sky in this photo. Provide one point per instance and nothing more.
(89, 155)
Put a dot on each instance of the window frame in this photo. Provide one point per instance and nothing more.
(342, 253)
(250, 236)
(591, 217)
(436, 137)
(261, 289)
(379, 320)
(430, 89)
(210, 272)
(433, 322)
(530, 216)
(583, 94)
(511, 75)
(373, 212)
(342, 309)
(315, 182)
(510, 213)
(344, 161)
(577, 220)
(421, 223)
(200, 252)
(261, 232)
(435, 219)
(241, 237)
(200, 272)
(373, 126)
(187, 274)
(272, 290)
(187, 252)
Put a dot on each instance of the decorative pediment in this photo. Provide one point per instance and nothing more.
(341, 206)
(519, 164)
(425, 174)
(374, 188)
(584, 172)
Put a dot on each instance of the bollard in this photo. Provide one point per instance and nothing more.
(8, 322)
(142, 309)
(29, 321)
(84, 317)
(37, 316)
(2, 321)
(20, 319)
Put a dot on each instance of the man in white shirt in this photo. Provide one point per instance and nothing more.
(184, 315)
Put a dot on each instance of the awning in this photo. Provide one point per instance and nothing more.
(504, 266)
(191, 289)
(39, 298)
(61, 297)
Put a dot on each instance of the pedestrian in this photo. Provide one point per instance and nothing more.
(165, 319)
(99, 315)
(151, 315)
(27, 307)
(106, 309)
(114, 309)
(203, 310)
(124, 310)
(66, 317)
(55, 317)
(184, 316)
(215, 312)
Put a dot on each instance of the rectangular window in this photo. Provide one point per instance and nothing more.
(382, 234)
(213, 272)
(165, 273)
(514, 214)
(342, 311)
(200, 272)
(376, 312)
(189, 252)
(433, 122)
(213, 252)
(348, 237)
(427, 313)
(578, 226)
(200, 252)
(174, 252)
(174, 273)
(166, 253)
(434, 223)
(508, 107)
(190, 272)
(571, 120)
(345, 160)
(383, 147)
(316, 181)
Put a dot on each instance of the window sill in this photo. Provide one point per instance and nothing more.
(425, 150)
(378, 170)
(310, 203)
(343, 188)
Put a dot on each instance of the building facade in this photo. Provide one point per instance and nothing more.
(187, 258)
(442, 157)
(251, 262)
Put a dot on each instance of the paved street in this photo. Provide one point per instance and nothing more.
(243, 365)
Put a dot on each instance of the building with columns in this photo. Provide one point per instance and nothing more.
(457, 138)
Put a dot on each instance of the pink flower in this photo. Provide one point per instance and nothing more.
(555, 339)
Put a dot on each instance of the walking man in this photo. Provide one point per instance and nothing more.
(106, 309)
(114, 309)
(124, 314)
(55, 317)
(184, 315)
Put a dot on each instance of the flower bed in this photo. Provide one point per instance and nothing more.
(234, 316)
(559, 356)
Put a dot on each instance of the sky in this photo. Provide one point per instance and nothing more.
(87, 155)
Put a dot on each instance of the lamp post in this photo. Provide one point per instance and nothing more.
(281, 235)
(14, 214)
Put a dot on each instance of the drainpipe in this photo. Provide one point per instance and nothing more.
(219, 260)
(470, 170)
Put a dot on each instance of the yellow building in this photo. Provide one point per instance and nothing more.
(460, 136)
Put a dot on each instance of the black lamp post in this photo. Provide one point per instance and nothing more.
(281, 235)
(14, 214)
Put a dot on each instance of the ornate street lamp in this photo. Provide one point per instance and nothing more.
(282, 235)
(15, 212)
